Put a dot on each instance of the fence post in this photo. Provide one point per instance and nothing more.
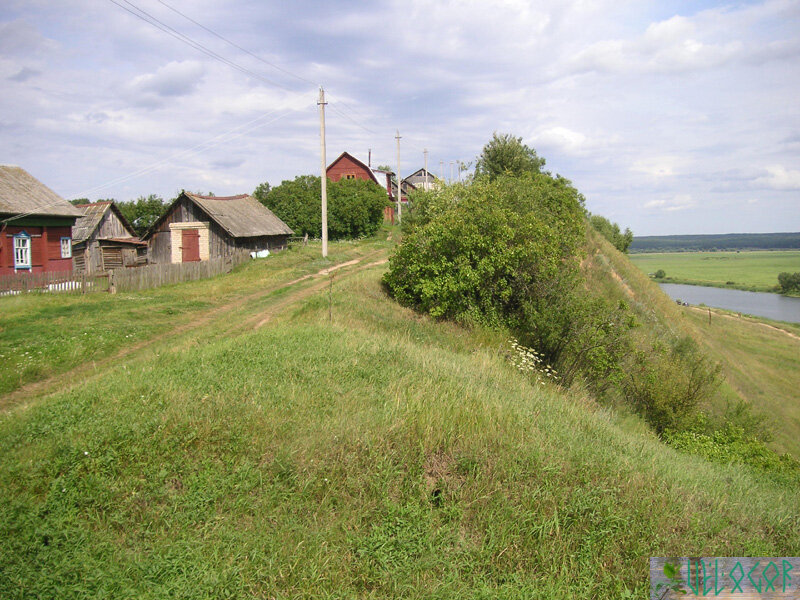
(112, 289)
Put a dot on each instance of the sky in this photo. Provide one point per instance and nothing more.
(671, 117)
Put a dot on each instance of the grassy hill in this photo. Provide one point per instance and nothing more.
(306, 439)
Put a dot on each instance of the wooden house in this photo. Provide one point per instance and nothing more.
(103, 239)
(422, 179)
(198, 227)
(347, 166)
(35, 225)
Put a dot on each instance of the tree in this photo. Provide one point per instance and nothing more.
(142, 212)
(355, 206)
(789, 282)
(261, 192)
(505, 154)
(611, 232)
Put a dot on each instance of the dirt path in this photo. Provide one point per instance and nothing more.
(746, 320)
(69, 379)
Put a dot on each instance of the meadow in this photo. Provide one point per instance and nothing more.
(753, 271)
(312, 439)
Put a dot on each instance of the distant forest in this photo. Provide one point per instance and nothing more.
(728, 241)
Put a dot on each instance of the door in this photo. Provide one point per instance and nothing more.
(190, 244)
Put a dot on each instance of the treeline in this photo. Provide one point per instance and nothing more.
(728, 241)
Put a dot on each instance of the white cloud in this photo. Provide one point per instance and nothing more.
(779, 177)
(679, 202)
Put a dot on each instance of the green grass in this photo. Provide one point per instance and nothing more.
(42, 335)
(753, 271)
(378, 455)
(762, 364)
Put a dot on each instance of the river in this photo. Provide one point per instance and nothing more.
(760, 304)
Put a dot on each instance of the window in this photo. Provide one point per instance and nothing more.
(22, 251)
(66, 247)
(350, 176)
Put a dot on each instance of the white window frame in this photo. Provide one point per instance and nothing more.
(66, 247)
(22, 251)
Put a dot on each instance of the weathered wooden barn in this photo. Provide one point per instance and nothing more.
(35, 225)
(103, 239)
(198, 227)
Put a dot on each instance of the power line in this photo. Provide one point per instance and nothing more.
(235, 45)
(150, 19)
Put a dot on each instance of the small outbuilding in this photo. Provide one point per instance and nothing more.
(103, 239)
(196, 228)
(35, 225)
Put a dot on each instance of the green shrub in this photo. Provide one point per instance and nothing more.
(789, 282)
(660, 274)
(668, 386)
(732, 444)
(611, 232)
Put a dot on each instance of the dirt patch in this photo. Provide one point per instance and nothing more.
(622, 284)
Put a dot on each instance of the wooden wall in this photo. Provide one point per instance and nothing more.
(219, 242)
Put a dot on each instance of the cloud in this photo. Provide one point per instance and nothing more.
(24, 74)
(780, 178)
(172, 80)
(19, 38)
(679, 202)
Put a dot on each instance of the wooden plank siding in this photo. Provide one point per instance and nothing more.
(220, 244)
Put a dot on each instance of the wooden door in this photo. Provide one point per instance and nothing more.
(190, 244)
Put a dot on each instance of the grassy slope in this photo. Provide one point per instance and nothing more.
(755, 271)
(379, 455)
(44, 335)
(761, 364)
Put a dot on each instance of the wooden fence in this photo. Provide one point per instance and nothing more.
(120, 280)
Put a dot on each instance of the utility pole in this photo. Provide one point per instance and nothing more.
(451, 171)
(324, 177)
(425, 152)
(399, 190)
(441, 169)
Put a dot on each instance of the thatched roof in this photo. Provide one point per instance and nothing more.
(92, 216)
(21, 193)
(241, 216)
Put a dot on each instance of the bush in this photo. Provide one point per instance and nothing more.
(668, 386)
(355, 207)
(660, 274)
(611, 232)
(478, 253)
(789, 282)
(732, 444)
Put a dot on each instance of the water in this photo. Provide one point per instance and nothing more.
(771, 306)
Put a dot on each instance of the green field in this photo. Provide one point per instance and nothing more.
(753, 271)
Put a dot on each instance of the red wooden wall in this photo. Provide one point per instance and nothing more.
(45, 249)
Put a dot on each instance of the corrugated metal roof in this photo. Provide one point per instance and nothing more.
(92, 215)
(241, 216)
(21, 193)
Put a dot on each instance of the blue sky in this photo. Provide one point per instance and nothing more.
(670, 117)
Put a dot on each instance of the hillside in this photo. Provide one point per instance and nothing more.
(311, 439)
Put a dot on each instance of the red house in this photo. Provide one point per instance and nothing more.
(35, 225)
(348, 166)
